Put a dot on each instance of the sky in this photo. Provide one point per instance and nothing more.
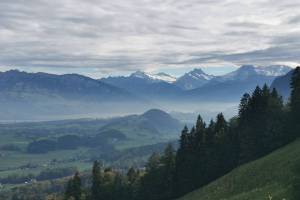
(98, 38)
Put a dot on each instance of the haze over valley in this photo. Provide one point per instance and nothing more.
(42, 96)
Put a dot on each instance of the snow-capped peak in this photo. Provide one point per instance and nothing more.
(154, 77)
(246, 71)
(197, 73)
(241, 73)
(139, 74)
(193, 79)
(273, 70)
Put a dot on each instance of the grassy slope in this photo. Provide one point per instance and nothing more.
(271, 175)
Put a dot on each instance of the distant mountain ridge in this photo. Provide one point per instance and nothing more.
(231, 86)
(197, 77)
(68, 86)
(154, 87)
(197, 85)
(40, 95)
(154, 77)
(23, 94)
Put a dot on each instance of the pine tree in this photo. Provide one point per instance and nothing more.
(96, 181)
(151, 187)
(200, 133)
(168, 161)
(119, 189)
(199, 147)
(133, 177)
(261, 123)
(184, 139)
(74, 189)
(295, 103)
(184, 166)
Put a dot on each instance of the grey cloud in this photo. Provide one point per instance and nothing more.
(265, 56)
(115, 35)
(294, 20)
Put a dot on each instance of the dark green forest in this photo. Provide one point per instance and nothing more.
(205, 153)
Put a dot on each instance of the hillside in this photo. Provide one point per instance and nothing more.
(151, 127)
(274, 174)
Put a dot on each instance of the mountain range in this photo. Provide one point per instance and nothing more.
(43, 96)
(198, 85)
(231, 86)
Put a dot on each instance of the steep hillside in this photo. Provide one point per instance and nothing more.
(273, 175)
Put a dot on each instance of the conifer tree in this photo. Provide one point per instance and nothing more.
(74, 189)
(295, 103)
(168, 161)
(96, 181)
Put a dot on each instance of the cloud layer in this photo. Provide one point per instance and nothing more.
(98, 37)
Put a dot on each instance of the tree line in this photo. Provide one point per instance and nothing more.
(205, 153)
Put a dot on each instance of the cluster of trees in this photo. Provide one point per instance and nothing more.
(205, 152)
(68, 142)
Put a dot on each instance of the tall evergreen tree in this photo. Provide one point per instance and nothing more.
(151, 183)
(295, 103)
(97, 180)
(199, 147)
(74, 190)
(184, 171)
(168, 161)
(261, 121)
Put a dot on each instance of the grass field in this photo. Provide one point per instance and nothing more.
(21, 163)
(12, 162)
(271, 177)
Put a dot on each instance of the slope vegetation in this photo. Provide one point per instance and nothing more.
(271, 177)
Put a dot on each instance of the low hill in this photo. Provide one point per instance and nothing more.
(153, 126)
(273, 175)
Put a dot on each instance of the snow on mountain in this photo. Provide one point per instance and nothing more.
(241, 73)
(247, 71)
(193, 79)
(154, 77)
(273, 70)
(165, 77)
(199, 74)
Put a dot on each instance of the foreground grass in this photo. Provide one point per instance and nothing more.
(271, 177)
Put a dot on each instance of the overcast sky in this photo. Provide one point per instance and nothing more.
(105, 37)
